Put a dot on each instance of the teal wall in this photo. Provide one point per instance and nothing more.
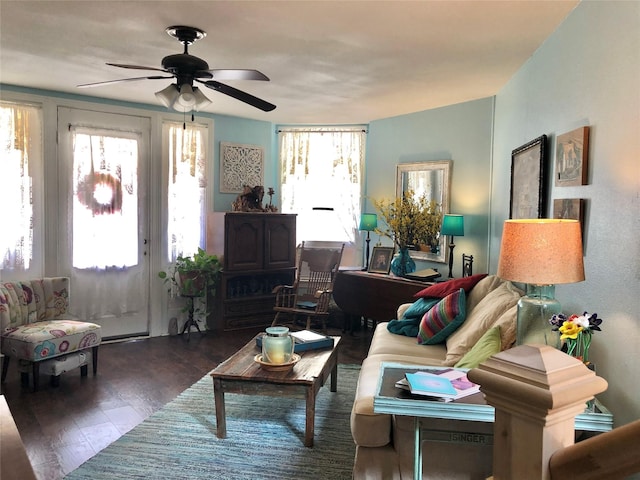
(461, 133)
(244, 131)
(588, 73)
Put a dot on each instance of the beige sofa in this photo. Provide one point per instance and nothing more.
(384, 443)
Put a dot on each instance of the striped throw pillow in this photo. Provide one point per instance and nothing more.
(442, 319)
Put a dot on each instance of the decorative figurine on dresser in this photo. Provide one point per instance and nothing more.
(250, 200)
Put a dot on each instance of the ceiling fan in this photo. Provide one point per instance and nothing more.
(186, 69)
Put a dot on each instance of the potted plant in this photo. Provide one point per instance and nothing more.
(193, 276)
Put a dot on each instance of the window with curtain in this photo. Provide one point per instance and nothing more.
(20, 164)
(321, 177)
(187, 156)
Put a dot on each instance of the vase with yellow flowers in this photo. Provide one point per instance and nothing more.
(410, 221)
(576, 332)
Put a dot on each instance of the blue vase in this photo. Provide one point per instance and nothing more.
(402, 263)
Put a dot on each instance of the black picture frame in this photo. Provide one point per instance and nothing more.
(529, 180)
(381, 260)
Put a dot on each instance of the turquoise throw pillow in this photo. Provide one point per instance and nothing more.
(443, 319)
(489, 344)
(419, 308)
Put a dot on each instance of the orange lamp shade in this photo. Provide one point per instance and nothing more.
(541, 251)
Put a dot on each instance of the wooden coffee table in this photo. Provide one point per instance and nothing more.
(241, 374)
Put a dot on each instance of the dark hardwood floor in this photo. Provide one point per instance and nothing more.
(63, 427)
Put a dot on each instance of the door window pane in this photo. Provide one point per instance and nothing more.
(105, 202)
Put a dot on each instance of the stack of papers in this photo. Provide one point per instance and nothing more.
(449, 384)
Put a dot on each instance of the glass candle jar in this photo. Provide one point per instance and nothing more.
(277, 345)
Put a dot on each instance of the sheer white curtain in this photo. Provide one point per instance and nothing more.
(108, 274)
(20, 178)
(187, 156)
(323, 168)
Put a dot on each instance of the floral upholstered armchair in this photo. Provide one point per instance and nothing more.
(37, 330)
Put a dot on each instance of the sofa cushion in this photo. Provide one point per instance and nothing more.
(386, 343)
(403, 308)
(508, 325)
(480, 319)
(50, 338)
(442, 289)
(489, 344)
(442, 319)
(481, 290)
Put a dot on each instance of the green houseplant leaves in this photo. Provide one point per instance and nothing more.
(193, 276)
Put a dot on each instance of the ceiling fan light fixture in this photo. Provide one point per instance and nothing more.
(168, 96)
(201, 100)
(186, 99)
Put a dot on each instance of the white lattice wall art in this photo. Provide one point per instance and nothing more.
(240, 165)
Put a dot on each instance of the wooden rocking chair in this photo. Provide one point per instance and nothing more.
(311, 292)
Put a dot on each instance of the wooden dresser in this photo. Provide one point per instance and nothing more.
(259, 253)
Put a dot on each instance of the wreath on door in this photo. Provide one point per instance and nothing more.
(101, 193)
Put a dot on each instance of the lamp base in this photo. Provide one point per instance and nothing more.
(366, 266)
(451, 247)
(534, 311)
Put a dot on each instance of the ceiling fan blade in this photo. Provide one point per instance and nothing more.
(241, 74)
(239, 95)
(98, 84)
(137, 67)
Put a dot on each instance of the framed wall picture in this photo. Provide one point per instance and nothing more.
(240, 165)
(572, 151)
(528, 180)
(570, 209)
(381, 260)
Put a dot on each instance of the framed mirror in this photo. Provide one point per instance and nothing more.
(434, 180)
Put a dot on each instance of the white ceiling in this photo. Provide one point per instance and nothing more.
(329, 62)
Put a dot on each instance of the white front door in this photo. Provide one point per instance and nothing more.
(103, 226)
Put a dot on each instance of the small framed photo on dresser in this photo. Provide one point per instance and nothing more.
(381, 260)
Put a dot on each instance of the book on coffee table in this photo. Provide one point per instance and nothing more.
(449, 384)
(306, 336)
(305, 340)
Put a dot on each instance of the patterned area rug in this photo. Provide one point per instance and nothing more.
(264, 439)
